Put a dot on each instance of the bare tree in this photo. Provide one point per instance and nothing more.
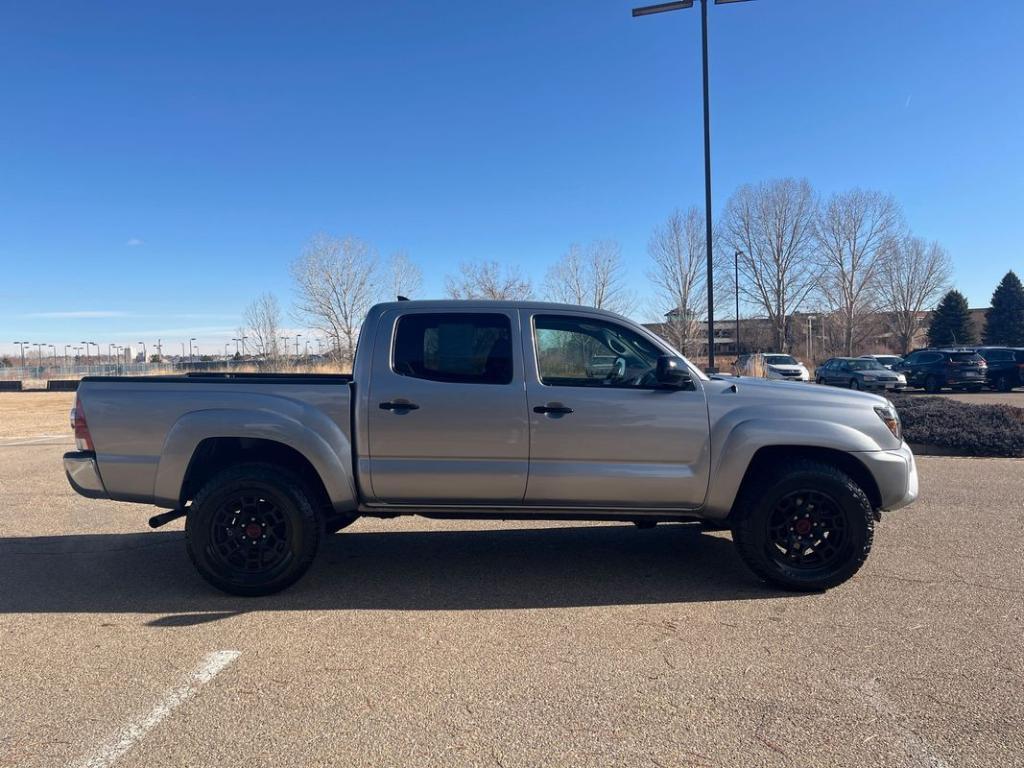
(487, 280)
(678, 252)
(262, 320)
(914, 275)
(404, 275)
(771, 224)
(853, 233)
(337, 281)
(591, 276)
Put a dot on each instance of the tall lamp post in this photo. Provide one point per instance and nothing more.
(21, 346)
(191, 357)
(677, 6)
(736, 278)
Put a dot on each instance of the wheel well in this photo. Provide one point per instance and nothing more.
(216, 454)
(776, 455)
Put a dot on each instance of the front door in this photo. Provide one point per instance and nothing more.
(447, 410)
(602, 433)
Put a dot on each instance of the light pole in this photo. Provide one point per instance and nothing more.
(21, 346)
(285, 339)
(145, 353)
(242, 339)
(66, 361)
(676, 6)
(297, 337)
(39, 351)
(736, 278)
(191, 356)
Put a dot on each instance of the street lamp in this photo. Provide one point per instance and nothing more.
(285, 339)
(145, 353)
(191, 356)
(736, 277)
(297, 337)
(676, 6)
(21, 346)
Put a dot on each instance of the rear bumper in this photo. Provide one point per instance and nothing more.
(895, 472)
(84, 474)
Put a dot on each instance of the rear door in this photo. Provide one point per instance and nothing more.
(612, 440)
(447, 408)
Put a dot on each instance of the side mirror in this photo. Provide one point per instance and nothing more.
(673, 373)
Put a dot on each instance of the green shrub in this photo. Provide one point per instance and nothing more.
(962, 428)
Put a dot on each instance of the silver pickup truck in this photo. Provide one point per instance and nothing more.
(491, 410)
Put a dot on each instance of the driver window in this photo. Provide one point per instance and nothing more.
(583, 352)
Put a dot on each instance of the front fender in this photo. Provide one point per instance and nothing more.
(737, 444)
(316, 437)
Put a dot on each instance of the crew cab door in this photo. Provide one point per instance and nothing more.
(609, 438)
(446, 413)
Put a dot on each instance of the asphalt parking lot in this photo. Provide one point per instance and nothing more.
(417, 642)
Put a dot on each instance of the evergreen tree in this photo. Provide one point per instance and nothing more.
(1004, 321)
(951, 322)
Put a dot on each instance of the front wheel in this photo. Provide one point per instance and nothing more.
(253, 529)
(932, 385)
(854, 384)
(806, 529)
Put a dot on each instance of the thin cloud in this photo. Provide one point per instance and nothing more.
(84, 314)
(134, 242)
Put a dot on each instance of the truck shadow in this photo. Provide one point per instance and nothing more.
(421, 571)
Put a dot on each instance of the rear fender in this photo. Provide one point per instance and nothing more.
(317, 438)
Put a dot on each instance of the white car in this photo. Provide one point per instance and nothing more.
(771, 365)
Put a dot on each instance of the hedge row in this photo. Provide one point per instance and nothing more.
(962, 428)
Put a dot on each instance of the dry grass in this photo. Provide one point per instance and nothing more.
(33, 414)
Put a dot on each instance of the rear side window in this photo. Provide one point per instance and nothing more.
(928, 357)
(997, 355)
(459, 348)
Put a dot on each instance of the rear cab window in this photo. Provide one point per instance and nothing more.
(455, 347)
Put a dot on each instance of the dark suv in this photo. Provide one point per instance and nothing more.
(1005, 366)
(933, 369)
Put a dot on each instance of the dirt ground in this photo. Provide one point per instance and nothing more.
(35, 414)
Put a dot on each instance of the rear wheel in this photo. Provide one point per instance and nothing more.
(932, 384)
(807, 528)
(1003, 383)
(854, 384)
(253, 529)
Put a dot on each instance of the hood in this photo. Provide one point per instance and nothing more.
(754, 388)
(786, 366)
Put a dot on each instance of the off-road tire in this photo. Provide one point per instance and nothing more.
(759, 506)
(228, 550)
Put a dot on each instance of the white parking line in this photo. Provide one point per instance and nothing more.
(127, 737)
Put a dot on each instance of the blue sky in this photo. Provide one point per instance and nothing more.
(162, 163)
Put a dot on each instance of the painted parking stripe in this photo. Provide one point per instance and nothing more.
(109, 753)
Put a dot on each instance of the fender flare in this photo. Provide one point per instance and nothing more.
(317, 438)
(738, 444)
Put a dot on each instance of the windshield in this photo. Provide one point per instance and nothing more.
(865, 365)
(780, 360)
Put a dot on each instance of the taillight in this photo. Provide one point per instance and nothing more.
(83, 439)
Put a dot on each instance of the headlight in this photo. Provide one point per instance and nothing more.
(891, 419)
(901, 379)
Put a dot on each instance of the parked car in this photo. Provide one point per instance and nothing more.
(486, 410)
(600, 366)
(887, 361)
(934, 369)
(771, 365)
(1005, 367)
(858, 373)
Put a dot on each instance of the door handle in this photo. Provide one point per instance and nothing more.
(398, 405)
(552, 409)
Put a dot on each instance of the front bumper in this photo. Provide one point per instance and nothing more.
(895, 472)
(887, 386)
(84, 474)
